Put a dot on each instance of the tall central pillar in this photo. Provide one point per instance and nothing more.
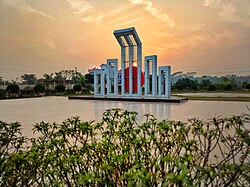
(130, 61)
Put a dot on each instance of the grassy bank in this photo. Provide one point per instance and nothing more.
(238, 99)
(215, 96)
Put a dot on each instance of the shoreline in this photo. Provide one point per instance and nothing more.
(180, 95)
(216, 96)
(236, 99)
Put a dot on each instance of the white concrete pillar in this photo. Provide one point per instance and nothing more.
(112, 77)
(123, 66)
(131, 59)
(150, 88)
(164, 82)
(99, 88)
(139, 69)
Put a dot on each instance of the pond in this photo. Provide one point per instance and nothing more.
(49, 109)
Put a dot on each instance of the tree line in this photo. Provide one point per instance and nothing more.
(59, 83)
(204, 84)
(63, 82)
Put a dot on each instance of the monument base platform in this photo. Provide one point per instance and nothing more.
(131, 99)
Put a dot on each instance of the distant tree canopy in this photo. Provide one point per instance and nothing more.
(186, 84)
(89, 78)
(39, 88)
(225, 84)
(60, 88)
(204, 84)
(29, 78)
(80, 80)
(48, 76)
(248, 86)
(212, 87)
(13, 88)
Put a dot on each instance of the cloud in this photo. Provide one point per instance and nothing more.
(85, 11)
(49, 43)
(148, 6)
(127, 23)
(217, 39)
(227, 11)
(117, 10)
(202, 41)
(197, 27)
(93, 19)
(213, 3)
(23, 8)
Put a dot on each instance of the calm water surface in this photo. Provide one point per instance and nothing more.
(50, 109)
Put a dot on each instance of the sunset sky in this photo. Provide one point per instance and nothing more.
(45, 36)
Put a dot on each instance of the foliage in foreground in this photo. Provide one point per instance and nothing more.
(120, 152)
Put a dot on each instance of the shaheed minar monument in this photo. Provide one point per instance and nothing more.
(156, 81)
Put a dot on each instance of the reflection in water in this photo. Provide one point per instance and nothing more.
(159, 110)
(50, 109)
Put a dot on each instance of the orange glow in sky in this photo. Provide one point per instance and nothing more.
(45, 36)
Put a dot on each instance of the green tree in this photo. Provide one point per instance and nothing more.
(60, 88)
(186, 84)
(228, 87)
(204, 84)
(1, 81)
(89, 78)
(29, 79)
(212, 87)
(39, 88)
(47, 76)
(248, 86)
(13, 89)
(225, 85)
(2, 94)
(27, 92)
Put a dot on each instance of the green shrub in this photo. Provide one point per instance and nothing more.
(212, 87)
(118, 151)
(77, 87)
(248, 86)
(2, 94)
(27, 93)
(228, 87)
(50, 92)
(13, 90)
(39, 88)
(60, 88)
(70, 91)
